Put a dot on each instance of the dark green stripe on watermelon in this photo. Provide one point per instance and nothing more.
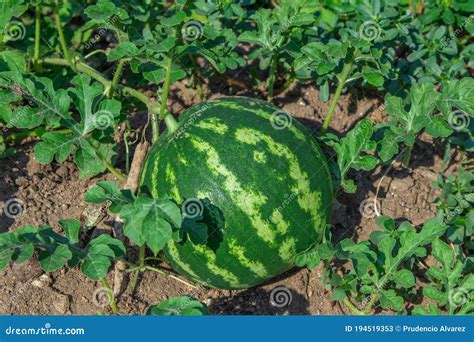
(272, 187)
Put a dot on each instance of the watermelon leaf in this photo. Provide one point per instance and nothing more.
(351, 152)
(56, 251)
(148, 221)
(377, 264)
(178, 306)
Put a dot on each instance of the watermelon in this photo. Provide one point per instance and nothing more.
(263, 189)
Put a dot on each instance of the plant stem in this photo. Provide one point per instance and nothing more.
(352, 307)
(37, 35)
(84, 68)
(287, 84)
(196, 80)
(371, 303)
(139, 268)
(342, 77)
(127, 151)
(121, 177)
(110, 295)
(141, 256)
(166, 85)
(62, 40)
(153, 112)
(271, 77)
(169, 275)
(95, 52)
(12, 137)
(116, 78)
(406, 156)
(171, 123)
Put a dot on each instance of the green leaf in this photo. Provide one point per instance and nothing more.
(100, 253)
(71, 228)
(457, 94)
(9, 9)
(96, 267)
(109, 191)
(53, 260)
(390, 300)
(404, 278)
(338, 294)
(310, 259)
(349, 152)
(176, 19)
(125, 49)
(105, 12)
(150, 221)
(178, 306)
(53, 146)
(15, 60)
(373, 77)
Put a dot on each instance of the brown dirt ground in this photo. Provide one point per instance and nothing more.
(54, 192)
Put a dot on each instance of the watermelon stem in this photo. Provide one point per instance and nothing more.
(271, 77)
(352, 307)
(342, 77)
(406, 156)
(149, 268)
(37, 35)
(110, 295)
(62, 40)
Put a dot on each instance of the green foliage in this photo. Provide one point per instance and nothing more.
(55, 250)
(456, 203)
(148, 221)
(313, 257)
(178, 306)
(89, 137)
(451, 287)
(76, 90)
(351, 152)
(428, 110)
(381, 267)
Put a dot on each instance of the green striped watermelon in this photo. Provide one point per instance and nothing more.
(261, 184)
